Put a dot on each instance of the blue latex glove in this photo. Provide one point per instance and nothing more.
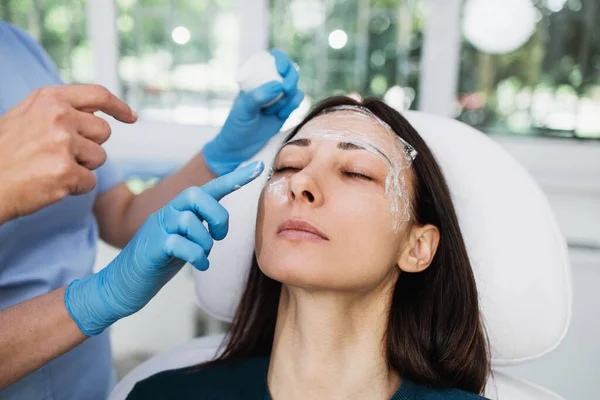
(169, 237)
(249, 127)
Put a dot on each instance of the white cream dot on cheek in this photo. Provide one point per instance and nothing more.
(278, 189)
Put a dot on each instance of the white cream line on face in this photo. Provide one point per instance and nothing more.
(365, 113)
(340, 137)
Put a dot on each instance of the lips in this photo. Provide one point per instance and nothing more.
(301, 226)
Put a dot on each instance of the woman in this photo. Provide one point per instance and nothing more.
(361, 286)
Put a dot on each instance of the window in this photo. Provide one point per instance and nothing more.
(178, 58)
(371, 47)
(60, 27)
(545, 82)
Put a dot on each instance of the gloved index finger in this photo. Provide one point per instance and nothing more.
(222, 186)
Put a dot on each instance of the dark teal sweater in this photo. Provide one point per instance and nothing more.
(245, 379)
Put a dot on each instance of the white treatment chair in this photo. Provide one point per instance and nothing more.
(517, 252)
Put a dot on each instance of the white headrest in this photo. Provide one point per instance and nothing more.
(518, 254)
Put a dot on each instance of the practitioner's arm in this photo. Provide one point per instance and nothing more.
(33, 333)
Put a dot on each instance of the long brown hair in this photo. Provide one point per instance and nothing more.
(435, 335)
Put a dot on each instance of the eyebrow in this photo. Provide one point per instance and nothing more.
(298, 142)
(307, 142)
(348, 146)
(340, 145)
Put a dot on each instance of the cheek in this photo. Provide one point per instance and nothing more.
(367, 210)
(368, 244)
(270, 205)
(277, 190)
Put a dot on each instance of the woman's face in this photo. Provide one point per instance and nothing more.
(324, 181)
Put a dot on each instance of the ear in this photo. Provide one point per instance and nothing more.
(420, 249)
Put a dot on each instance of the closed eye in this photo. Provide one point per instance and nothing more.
(350, 174)
(357, 175)
(286, 168)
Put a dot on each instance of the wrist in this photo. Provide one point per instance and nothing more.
(219, 158)
(232, 146)
(84, 302)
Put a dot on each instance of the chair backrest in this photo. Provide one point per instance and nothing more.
(518, 255)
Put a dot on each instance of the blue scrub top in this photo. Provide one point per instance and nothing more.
(52, 247)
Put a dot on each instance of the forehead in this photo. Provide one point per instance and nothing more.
(360, 129)
(347, 122)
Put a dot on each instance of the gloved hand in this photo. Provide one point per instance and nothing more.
(170, 237)
(249, 127)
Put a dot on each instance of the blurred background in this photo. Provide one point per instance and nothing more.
(527, 72)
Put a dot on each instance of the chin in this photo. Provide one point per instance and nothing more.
(295, 269)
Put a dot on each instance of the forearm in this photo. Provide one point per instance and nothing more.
(121, 217)
(33, 333)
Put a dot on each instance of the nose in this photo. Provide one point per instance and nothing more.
(302, 187)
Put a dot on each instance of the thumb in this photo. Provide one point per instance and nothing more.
(265, 94)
